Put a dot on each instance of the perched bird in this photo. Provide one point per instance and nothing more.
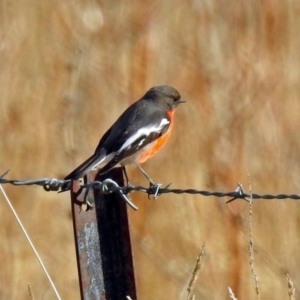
(138, 134)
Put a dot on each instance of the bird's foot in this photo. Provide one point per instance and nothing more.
(154, 189)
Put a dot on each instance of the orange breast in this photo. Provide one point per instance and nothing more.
(156, 145)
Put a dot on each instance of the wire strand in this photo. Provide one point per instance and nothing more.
(109, 186)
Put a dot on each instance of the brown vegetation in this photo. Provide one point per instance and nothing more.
(69, 68)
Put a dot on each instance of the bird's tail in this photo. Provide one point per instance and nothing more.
(86, 166)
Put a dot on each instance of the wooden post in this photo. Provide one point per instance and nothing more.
(103, 244)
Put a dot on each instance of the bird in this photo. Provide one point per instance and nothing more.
(137, 135)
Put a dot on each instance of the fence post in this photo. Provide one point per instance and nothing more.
(103, 244)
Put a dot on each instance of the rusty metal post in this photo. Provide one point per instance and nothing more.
(103, 245)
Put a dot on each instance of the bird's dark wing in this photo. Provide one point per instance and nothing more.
(137, 117)
(132, 132)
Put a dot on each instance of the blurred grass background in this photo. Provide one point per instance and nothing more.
(68, 69)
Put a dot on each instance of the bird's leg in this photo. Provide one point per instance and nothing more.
(154, 187)
(146, 175)
(126, 176)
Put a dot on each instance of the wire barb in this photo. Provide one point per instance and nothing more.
(107, 187)
(49, 184)
(240, 194)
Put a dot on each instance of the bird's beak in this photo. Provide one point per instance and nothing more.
(181, 101)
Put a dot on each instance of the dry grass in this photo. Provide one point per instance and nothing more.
(231, 294)
(251, 241)
(30, 292)
(68, 69)
(195, 274)
(291, 288)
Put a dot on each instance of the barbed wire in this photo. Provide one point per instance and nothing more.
(109, 186)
